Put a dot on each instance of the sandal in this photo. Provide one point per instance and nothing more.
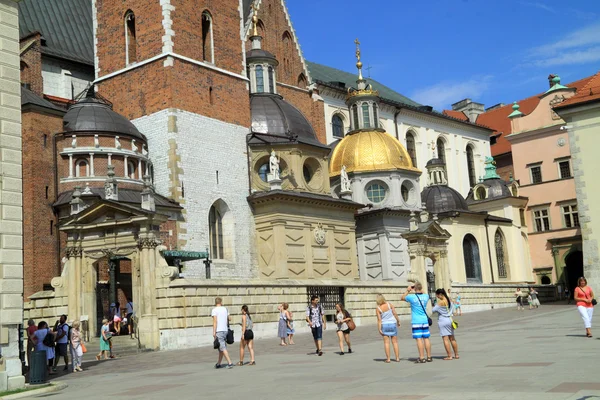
(448, 358)
(252, 363)
(420, 361)
(429, 359)
(240, 364)
(387, 361)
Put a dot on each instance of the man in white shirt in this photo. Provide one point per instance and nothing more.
(221, 320)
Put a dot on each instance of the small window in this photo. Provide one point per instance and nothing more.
(307, 173)
(207, 38)
(215, 225)
(522, 216)
(210, 95)
(480, 193)
(536, 174)
(271, 80)
(260, 82)
(541, 220)
(51, 227)
(564, 169)
(366, 116)
(82, 168)
(338, 126)
(376, 193)
(130, 38)
(46, 191)
(441, 150)
(355, 115)
(570, 215)
(375, 113)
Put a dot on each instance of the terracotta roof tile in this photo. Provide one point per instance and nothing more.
(589, 92)
(498, 120)
(456, 114)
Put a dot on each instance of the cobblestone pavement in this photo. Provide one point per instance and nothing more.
(505, 354)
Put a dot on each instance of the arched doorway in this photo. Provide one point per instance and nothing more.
(573, 268)
(472, 259)
(546, 280)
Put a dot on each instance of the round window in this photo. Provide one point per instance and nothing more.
(405, 193)
(376, 192)
(263, 170)
(307, 172)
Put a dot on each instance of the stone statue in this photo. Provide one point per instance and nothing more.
(134, 148)
(345, 181)
(117, 143)
(74, 141)
(274, 165)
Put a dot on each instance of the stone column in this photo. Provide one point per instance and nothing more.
(70, 165)
(73, 281)
(148, 318)
(11, 202)
(417, 266)
(126, 167)
(140, 169)
(442, 271)
(92, 164)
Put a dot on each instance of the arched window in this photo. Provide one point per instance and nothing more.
(410, 148)
(271, 80)
(82, 168)
(471, 166)
(215, 226)
(501, 255)
(25, 75)
(366, 117)
(130, 38)
(472, 260)
(441, 150)
(207, 37)
(375, 115)
(355, 115)
(221, 231)
(480, 193)
(287, 51)
(260, 80)
(131, 169)
(301, 81)
(337, 125)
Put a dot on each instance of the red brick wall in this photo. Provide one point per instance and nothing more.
(40, 258)
(31, 66)
(504, 166)
(111, 31)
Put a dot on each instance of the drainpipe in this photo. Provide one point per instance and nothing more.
(249, 166)
(396, 123)
(58, 258)
(487, 235)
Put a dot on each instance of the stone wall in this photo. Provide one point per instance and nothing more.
(11, 199)
(487, 297)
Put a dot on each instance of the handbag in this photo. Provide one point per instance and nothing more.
(216, 344)
(351, 325)
(454, 323)
(83, 349)
(429, 320)
(594, 302)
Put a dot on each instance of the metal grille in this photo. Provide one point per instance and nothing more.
(329, 296)
(565, 169)
(499, 242)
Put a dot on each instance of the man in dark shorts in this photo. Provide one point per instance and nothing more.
(316, 320)
(62, 343)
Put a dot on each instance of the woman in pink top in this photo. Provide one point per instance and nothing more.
(584, 296)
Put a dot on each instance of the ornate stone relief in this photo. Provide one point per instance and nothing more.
(319, 234)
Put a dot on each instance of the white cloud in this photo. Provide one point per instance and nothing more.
(579, 39)
(572, 57)
(443, 94)
(541, 6)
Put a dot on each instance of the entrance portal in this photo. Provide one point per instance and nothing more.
(574, 269)
(114, 286)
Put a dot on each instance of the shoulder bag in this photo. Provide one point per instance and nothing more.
(351, 325)
(229, 339)
(594, 302)
(429, 320)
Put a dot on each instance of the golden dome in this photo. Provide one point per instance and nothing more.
(367, 151)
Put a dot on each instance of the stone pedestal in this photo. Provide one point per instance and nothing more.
(346, 195)
(274, 183)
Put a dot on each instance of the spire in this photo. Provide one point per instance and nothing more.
(516, 112)
(76, 203)
(254, 20)
(358, 62)
(490, 169)
(436, 172)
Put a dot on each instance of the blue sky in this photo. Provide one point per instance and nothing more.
(438, 52)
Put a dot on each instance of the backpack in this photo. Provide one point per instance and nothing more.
(319, 308)
(48, 339)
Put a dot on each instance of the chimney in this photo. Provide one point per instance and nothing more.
(495, 106)
(471, 109)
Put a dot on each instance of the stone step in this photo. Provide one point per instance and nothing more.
(122, 346)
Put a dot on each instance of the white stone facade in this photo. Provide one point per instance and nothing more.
(64, 79)
(11, 200)
(426, 128)
(208, 160)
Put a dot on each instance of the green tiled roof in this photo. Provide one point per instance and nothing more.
(325, 74)
(65, 24)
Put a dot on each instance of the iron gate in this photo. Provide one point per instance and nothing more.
(102, 304)
(329, 296)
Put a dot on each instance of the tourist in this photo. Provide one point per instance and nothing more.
(221, 319)
(283, 323)
(76, 346)
(535, 299)
(290, 329)
(105, 344)
(315, 317)
(129, 316)
(39, 335)
(247, 336)
(457, 305)
(31, 328)
(420, 321)
(519, 296)
(343, 331)
(443, 308)
(388, 323)
(62, 343)
(116, 312)
(584, 298)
